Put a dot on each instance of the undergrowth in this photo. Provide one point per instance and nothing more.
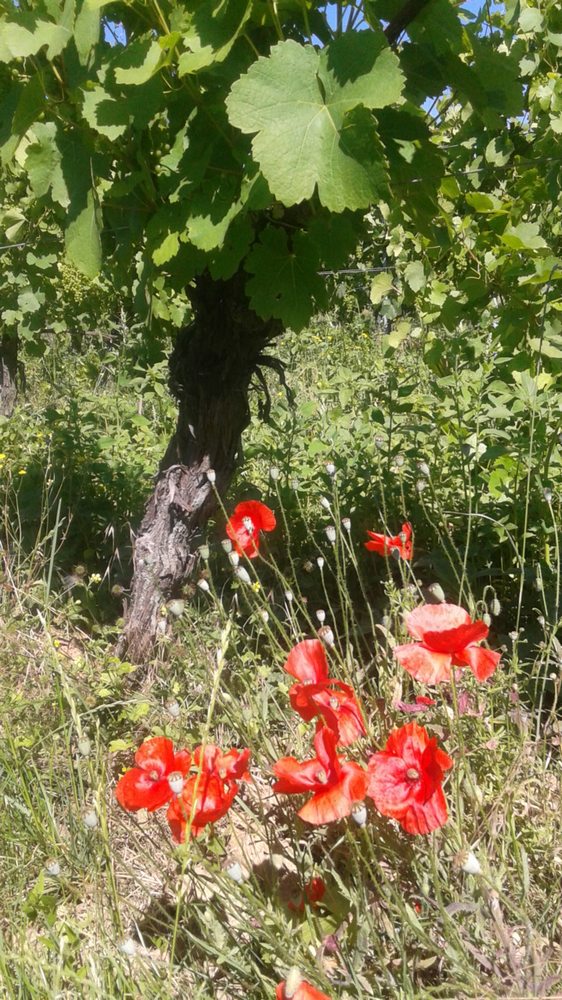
(100, 903)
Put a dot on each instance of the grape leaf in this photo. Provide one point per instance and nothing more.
(285, 281)
(309, 112)
(82, 240)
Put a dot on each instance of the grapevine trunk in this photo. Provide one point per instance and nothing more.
(8, 374)
(211, 367)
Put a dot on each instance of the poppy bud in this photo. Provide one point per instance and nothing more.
(84, 746)
(325, 503)
(203, 585)
(325, 633)
(235, 872)
(226, 544)
(211, 476)
(243, 574)
(294, 484)
(274, 473)
(234, 558)
(128, 947)
(359, 813)
(177, 606)
(468, 862)
(487, 620)
(320, 563)
(346, 523)
(288, 594)
(437, 591)
(421, 485)
(399, 461)
(292, 982)
(547, 494)
(52, 867)
(204, 552)
(264, 616)
(379, 441)
(173, 708)
(90, 819)
(321, 616)
(424, 469)
(330, 468)
(331, 533)
(495, 607)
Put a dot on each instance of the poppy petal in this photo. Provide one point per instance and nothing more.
(156, 754)
(327, 806)
(307, 662)
(294, 776)
(423, 818)
(136, 790)
(454, 639)
(481, 661)
(423, 664)
(388, 785)
(435, 618)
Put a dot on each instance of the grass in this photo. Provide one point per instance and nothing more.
(100, 903)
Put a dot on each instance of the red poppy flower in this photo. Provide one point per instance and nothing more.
(208, 795)
(314, 891)
(204, 799)
(447, 638)
(229, 766)
(304, 991)
(405, 779)
(146, 786)
(248, 519)
(336, 783)
(318, 695)
(386, 544)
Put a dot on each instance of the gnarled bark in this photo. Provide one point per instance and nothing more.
(8, 374)
(210, 371)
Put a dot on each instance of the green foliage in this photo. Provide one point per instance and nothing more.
(224, 136)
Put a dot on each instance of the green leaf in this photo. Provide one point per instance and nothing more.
(139, 62)
(86, 31)
(309, 112)
(380, 287)
(524, 236)
(414, 275)
(167, 249)
(19, 42)
(106, 115)
(43, 164)
(213, 32)
(82, 240)
(285, 282)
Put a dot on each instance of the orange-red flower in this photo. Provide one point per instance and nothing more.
(146, 786)
(304, 991)
(336, 784)
(405, 779)
(317, 695)
(248, 519)
(207, 796)
(447, 638)
(313, 892)
(385, 545)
